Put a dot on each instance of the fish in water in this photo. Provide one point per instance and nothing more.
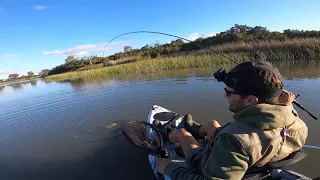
(112, 125)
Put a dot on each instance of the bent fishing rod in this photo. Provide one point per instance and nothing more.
(166, 34)
(203, 47)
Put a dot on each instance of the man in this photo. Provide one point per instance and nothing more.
(266, 128)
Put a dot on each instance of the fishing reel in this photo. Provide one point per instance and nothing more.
(164, 154)
(220, 75)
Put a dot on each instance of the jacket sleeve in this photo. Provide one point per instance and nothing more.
(227, 160)
(193, 158)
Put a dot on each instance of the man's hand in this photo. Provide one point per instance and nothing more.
(209, 129)
(286, 97)
(162, 163)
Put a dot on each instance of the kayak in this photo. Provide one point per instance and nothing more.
(165, 115)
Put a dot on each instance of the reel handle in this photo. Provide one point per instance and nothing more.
(164, 154)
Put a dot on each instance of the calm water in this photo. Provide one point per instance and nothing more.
(61, 130)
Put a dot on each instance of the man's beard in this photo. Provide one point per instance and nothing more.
(236, 107)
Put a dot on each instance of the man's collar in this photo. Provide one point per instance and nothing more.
(266, 116)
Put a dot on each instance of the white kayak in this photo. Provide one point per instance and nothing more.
(170, 148)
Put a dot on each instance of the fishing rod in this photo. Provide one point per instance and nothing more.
(155, 32)
(201, 46)
(311, 147)
(301, 107)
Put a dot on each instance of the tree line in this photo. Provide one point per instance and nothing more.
(16, 76)
(237, 33)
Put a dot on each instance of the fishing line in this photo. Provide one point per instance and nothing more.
(201, 46)
(154, 32)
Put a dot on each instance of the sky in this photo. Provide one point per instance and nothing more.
(40, 34)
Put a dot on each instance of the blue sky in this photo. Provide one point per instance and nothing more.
(38, 34)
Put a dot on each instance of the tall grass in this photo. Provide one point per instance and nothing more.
(143, 67)
(303, 50)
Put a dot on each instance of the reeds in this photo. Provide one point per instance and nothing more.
(302, 50)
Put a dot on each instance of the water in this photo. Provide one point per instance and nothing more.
(52, 130)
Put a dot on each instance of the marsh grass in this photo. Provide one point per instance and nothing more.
(300, 49)
(294, 50)
(144, 67)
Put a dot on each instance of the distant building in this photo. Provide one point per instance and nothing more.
(127, 48)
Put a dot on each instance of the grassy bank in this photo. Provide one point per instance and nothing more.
(302, 50)
(19, 80)
(143, 66)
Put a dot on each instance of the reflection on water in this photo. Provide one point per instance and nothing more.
(16, 86)
(2, 87)
(65, 130)
(290, 70)
(33, 83)
(77, 83)
(299, 70)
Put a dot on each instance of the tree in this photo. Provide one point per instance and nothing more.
(13, 77)
(177, 42)
(127, 48)
(70, 59)
(30, 74)
(44, 72)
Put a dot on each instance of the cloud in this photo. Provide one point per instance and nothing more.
(82, 49)
(211, 34)
(40, 7)
(196, 35)
(193, 36)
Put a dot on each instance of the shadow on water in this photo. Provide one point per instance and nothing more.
(108, 162)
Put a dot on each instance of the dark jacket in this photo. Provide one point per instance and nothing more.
(260, 134)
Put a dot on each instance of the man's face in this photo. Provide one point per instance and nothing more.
(236, 103)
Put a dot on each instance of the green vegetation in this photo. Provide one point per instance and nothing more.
(239, 43)
(16, 77)
(306, 50)
(302, 49)
(142, 67)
